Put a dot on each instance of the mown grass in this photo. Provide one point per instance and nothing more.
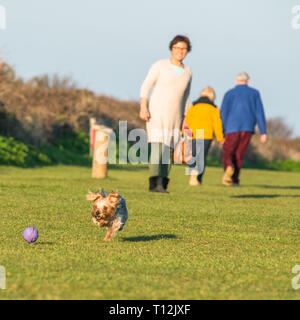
(210, 242)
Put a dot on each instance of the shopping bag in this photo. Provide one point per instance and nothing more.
(183, 151)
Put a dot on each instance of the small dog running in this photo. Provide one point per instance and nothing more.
(109, 210)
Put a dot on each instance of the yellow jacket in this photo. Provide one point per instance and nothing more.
(203, 114)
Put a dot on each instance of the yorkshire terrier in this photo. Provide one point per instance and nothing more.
(109, 210)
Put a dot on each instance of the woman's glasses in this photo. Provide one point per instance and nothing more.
(179, 48)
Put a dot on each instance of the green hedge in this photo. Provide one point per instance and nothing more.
(73, 149)
(18, 154)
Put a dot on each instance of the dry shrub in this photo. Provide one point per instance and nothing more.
(34, 111)
(278, 128)
(279, 146)
(43, 109)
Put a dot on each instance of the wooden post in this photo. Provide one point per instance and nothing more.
(100, 158)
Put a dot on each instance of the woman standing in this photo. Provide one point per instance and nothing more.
(167, 105)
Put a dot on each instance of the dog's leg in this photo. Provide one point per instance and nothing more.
(109, 234)
(111, 231)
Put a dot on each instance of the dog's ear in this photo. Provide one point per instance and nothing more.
(92, 196)
(114, 196)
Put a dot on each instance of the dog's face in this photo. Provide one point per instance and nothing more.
(104, 208)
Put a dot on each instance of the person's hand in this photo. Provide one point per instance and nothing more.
(223, 141)
(144, 114)
(184, 125)
(263, 138)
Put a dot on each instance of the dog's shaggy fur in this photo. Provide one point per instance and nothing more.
(109, 210)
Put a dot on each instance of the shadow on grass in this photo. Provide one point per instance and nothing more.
(127, 167)
(276, 187)
(263, 196)
(44, 243)
(150, 238)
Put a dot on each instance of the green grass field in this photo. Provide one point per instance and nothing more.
(207, 242)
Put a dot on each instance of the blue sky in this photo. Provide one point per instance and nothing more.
(108, 46)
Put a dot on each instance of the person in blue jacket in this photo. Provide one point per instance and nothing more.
(242, 109)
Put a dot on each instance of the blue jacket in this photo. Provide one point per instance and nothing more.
(242, 109)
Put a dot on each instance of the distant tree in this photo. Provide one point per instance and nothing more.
(55, 82)
(278, 128)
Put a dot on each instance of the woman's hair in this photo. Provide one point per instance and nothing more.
(209, 93)
(180, 38)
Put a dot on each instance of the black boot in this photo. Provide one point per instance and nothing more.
(152, 183)
(165, 182)
(156, 185)
(162, 185)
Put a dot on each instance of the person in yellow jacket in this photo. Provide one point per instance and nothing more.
(203, 114)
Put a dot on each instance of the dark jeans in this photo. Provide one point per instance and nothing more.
(234, 150)
(200, 154)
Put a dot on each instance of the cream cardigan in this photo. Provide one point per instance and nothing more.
(168, 102)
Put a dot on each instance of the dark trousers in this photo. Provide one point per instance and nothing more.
(200, 156)
(234, 150)
(160, 160)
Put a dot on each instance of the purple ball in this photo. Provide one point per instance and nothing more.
(30, 234)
